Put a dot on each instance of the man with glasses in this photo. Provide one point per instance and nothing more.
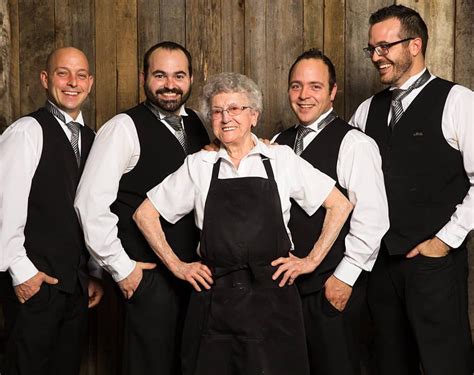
(134, 151)
(423, 127)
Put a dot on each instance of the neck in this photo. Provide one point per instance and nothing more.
(238, 151)
(416, 68)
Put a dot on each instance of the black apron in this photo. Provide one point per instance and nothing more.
(245, 324)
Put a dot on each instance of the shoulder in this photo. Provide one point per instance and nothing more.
(26, 125)
(356, 139)
(119, 124)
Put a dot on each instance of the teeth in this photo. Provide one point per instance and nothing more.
(306, 105)
(73, 93)
(229, 128)
(384, 66)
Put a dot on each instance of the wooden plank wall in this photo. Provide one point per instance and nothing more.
(259, 38)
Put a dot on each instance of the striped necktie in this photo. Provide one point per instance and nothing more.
(175, 123)
(398, 95)
(302, 132)
(74, 128)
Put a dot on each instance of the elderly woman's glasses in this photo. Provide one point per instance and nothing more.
(382, 49)
(233, 110)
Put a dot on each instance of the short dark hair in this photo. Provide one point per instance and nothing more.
(316, 54)
(168, 45)
(412, 25)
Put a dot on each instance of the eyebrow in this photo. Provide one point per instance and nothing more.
(171, 73)
(311, 82)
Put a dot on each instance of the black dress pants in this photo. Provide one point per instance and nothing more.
(420, 313)
(334, 338)
(154, 318)
(45, 335)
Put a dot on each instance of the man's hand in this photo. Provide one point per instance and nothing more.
(131, 282)
(31, 286)
(194, 273)
(215, 145)
(95, 292)
(291, 267)
(434, 248)
(337, 292)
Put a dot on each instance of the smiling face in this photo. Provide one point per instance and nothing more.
(67, 80)
(398, 65)
(233, 130)
(167, 82)
(308, 90)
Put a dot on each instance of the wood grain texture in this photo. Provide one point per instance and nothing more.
(313, 24)
(284, 43)
(127, 54)
(439, 16)
(36, 41)
(233, 36)
(14, 60)
(203, 40)
(5, 51)
(463, 46)
(106, 61)
(361, 79)
(334, 42)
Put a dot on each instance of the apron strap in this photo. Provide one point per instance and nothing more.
(215, 169)
(268, 167)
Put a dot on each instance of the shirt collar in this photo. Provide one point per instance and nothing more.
(409, 81)
(260, 148)
(67, 118)
(315, 124)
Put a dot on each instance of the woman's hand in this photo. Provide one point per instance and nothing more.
(292, 267)
(194, 273)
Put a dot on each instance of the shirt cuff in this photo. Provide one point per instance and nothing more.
(22, 270)
(347, 272)
(452, 235)
(95, 270)
(121, 267)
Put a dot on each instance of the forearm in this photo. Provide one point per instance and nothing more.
(336, 216)
(147, 219)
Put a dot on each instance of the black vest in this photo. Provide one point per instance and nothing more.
(322, 153)
(54, 240)
(424, 176)
(160, 155)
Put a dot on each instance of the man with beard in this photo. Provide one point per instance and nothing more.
(423, 127)
(135, 151)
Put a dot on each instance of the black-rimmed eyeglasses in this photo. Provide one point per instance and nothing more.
(233, 110)
(382, 49)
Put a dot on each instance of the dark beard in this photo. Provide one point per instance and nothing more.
(167, 105)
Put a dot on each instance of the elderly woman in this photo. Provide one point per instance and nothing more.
(248, 318)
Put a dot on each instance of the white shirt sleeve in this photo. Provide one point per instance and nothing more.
(20, 152)
(458, 129)
(359, 170)
(359, 118)
(114, 150)
(175, 196)
(308, 186)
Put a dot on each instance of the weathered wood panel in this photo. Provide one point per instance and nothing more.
(106, 61)
(361, 79)
(5, 55)
(439, 17)
(463, 36)
(334, 39)
(233, 37)
(313, 24)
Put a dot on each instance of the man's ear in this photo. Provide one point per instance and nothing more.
(44, 79)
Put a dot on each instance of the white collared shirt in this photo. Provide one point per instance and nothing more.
(458, 130)
(359, 171)
(21, 146)
(187, 188)
(115, 151)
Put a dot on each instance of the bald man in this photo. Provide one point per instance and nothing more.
(47, 290)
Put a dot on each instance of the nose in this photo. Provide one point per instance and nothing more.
(303, 92)
(226, 117)
(72, 80)
(169, 83)
(375, 57)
